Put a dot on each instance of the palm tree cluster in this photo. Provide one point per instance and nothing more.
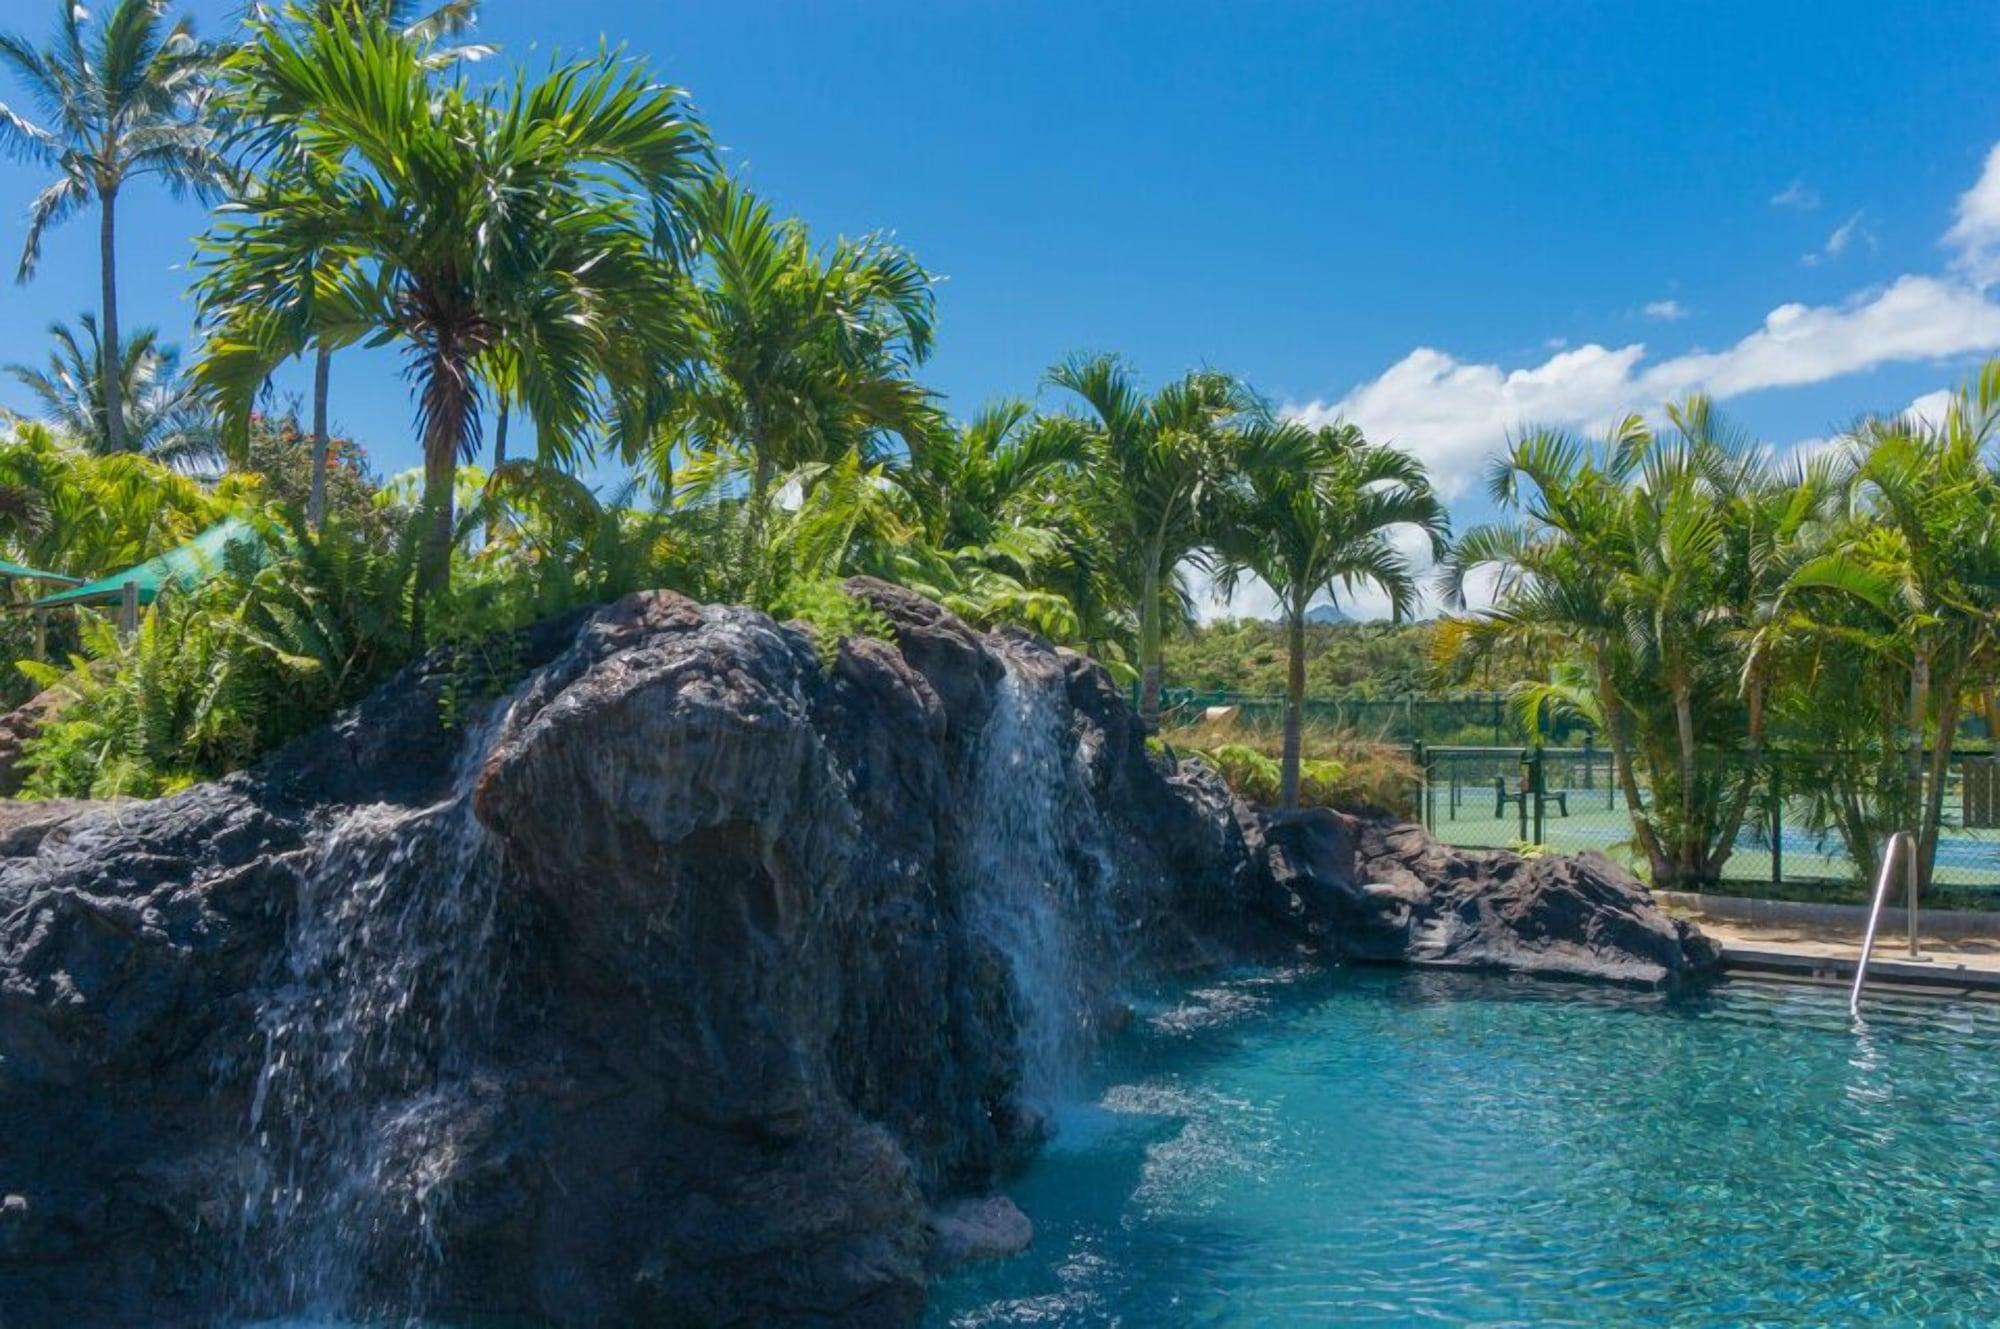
(1713, 603)
(560, 250)
(575, 286)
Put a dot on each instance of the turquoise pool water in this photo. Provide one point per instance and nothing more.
(1379, 1147)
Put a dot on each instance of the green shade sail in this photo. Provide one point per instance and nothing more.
(198, 558)
(33, 574)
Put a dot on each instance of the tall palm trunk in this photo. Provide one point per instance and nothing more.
(1295, 705)
(761, 471)
(1689, 853)
(434, 573)
(107, 256)
(505, 411)
(1913, 739)
(316, 501)
(1628, 781)
(1930, 817)
(449, 400)
(1149, 641)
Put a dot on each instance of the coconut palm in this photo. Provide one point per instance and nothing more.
(1156, 467)
(1315, 518)
(164, 417)
(452, 222)
(807, 353)
(126, 102)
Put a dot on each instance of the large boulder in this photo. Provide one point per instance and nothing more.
(710, 976)
(1378, 890)
(666, 990)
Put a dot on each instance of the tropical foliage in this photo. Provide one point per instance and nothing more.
(387, 219)
(629, 370)
(1312, 514)
(165, 417)
(116, 102)
(1715, 609)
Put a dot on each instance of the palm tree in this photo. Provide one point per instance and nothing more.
(1921, 555)
(427, 30)
(164, 417)
(1156, 467)
(807, 354)
(1312, 518)
(131, 103)
(1644, 559)
(534, 218)
(974, 480)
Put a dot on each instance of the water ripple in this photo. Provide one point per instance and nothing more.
(1391, 1148)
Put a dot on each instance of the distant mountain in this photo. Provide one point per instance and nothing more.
(1319, 616)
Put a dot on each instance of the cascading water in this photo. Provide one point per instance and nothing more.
(389, 982)
(1040, 880)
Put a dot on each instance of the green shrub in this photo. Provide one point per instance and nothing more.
(1362, 775)
(833, 615)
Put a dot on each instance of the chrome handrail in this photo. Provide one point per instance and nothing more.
(1903, 841)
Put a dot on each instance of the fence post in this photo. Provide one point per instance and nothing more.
(1425, 803)
(1531, 787)
(1777, 827)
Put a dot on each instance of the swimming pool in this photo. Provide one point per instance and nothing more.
(1385, 1147)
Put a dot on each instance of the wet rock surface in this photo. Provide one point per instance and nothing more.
(731, 1042)
(664, 994)
(1377, 890)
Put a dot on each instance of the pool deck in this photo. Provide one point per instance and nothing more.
(1823, 943)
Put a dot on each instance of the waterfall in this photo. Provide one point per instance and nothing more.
(389, 981)
(1039, 876)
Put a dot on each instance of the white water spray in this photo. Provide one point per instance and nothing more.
(389, 983)
(1040, 878)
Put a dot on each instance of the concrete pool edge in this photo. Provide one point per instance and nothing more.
(1981, 924)
(1787, 939)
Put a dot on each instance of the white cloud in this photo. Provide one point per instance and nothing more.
(1453, 414)
(1665, 311)
(1930, 408)
(1798, 195)
(1253, 599)
(1842, 239)
(1975, 233)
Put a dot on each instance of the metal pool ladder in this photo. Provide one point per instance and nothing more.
(1903, 841)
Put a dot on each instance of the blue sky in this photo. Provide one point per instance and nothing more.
(1445, 220)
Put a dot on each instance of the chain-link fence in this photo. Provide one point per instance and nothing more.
(1484, 717)
(1801, 815)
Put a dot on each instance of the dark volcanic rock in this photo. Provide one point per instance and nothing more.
(678, 988)
(1378, 890)
(730, 1043)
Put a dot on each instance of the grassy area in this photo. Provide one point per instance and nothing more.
(1339, 768)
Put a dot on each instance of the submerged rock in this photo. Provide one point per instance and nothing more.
(990, 1227)
(695, 982)
(1378, 890)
